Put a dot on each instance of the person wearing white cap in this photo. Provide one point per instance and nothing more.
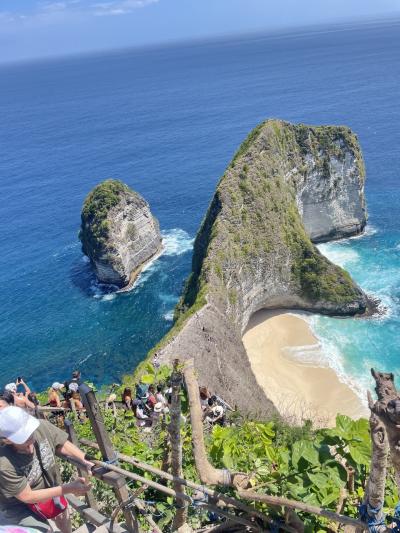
(19, 401)
(28, 471)
(53, 396)
(74, 397)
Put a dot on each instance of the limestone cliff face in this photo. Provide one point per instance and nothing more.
(288, 185)
(331, 198)
(118, 232)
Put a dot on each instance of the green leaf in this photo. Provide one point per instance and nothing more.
(304, 449)
(330, 498)
(148, 379)
(345, 425)
(320, 480)
(360, 453)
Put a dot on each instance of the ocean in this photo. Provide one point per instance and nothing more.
(166, 121)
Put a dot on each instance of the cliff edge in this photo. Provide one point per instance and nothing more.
(118, 232)
(287, 187)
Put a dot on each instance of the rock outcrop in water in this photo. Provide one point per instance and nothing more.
(118, 232)
(287, 186)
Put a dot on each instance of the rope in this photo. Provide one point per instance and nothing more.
(373, 517)
(112, 461)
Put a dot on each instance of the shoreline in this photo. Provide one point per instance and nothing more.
(300, 390)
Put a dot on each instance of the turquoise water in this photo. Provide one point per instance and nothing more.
(167, 121)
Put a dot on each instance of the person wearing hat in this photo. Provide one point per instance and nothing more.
(28, 470)
(74, 397)
(19, 401)
(215, 413)
(53, 396)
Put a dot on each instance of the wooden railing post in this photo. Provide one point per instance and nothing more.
(176, 447)
(89, 497)
(109, 455)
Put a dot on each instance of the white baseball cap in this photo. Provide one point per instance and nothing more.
(16, 425)
(158, 407)
(56, 385)
(12, 387)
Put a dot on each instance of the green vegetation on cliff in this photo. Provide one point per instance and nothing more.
(283, 459)
(95, 210)
(253, 226)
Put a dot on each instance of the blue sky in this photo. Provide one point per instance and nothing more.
(42, 28)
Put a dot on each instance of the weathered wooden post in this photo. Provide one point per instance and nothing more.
(176, 447)
(89, 497)
(117, 481)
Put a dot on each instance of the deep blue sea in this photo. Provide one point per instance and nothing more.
(167, 121)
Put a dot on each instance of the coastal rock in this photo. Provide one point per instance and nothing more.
(287, 185)
(118, 232)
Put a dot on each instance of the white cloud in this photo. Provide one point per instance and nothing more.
(120, 7)
(48, 10)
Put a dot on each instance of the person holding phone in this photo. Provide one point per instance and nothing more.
(20, 400)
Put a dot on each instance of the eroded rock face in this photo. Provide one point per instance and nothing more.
(287, 187)
(331, 200)
(118, 232)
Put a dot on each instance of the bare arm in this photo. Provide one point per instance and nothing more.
(78, 487)
(27, 389)
(22, 401)
(73, 451)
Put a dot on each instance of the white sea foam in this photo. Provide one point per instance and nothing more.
(308, 355)
(339, 254)
(109, 297)
(169, 315)
(326, 354)
(65, 249)
(84, 359)
(176, 241)
(369, 230)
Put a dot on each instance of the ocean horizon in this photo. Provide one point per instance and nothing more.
(167, 121)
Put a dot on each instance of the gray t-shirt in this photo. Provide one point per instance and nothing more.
(17, 470)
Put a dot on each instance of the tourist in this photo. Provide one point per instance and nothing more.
(6, 399)
(19, 400)
(73, 398)
(143, 420)
(156, 361)
(168, 393)
(32, 397)
(110, 400)
(151, 397)
(29, 475)
(204, 397)
(215, 414)
(127, 399)
(160, 397)
(53, 396)
(76, 377)
(157, 412)
(142, 391)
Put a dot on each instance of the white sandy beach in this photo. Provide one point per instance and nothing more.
(299, 390)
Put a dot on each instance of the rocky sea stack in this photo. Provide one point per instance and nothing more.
(118, 232)
(287, 187)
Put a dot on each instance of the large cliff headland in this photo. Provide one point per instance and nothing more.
(287, 187)
(118, 232)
